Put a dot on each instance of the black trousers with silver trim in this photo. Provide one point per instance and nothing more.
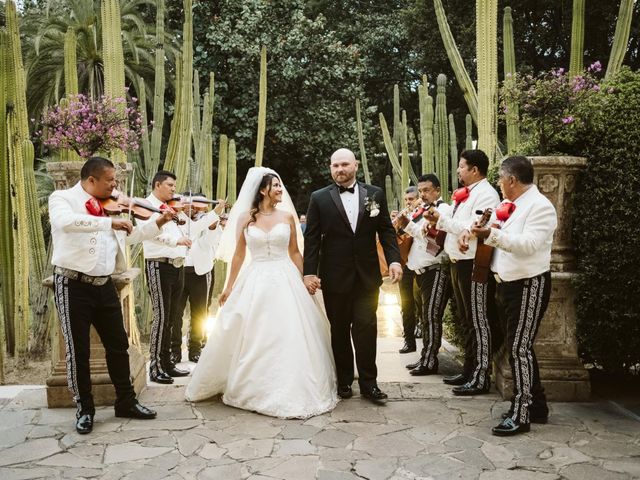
(165, 284)
(196, 292)
(435, 290)
(522, 305)
(79, 306)
(478, 321)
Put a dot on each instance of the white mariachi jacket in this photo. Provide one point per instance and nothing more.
(74, 232)
(203, 250)
(481, 196)
(523, 242)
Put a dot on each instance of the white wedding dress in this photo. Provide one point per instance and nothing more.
(270, 348)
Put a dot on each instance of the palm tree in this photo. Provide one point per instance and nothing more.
(44, 54)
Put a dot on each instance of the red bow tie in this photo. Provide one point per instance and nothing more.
(504, 211)
(94, 207)
(460, 195)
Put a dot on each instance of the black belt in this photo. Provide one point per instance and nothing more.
(176, 262)
(82, 277)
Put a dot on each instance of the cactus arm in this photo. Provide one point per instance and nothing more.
(262, 107)
(363, 153)
(577, 38)
(620, 38)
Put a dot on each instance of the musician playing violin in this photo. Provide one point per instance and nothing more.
(164, 259)
(431, 274)
(88, 247)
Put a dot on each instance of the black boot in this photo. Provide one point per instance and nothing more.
(84, 418)
(408, 347)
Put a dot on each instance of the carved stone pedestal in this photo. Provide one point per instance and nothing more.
(563, 376)
(65, 175)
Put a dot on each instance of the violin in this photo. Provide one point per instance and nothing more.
(137, 207)
(186, 202)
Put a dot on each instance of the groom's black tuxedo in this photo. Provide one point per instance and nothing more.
(347, 264)
(338, 255)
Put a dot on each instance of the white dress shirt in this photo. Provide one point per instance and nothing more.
(351, 204)
(87, 243)
(165, 244)
(523, 242)
(481, 196)
(418, 256)
(203, 250)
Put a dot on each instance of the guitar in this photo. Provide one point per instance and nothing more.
(482, 260)
(434, 238)
(405, 241)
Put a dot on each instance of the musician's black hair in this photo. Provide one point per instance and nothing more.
(476, 158)
(94, 167)
(518, 167)
(430, 177)
(161, 176)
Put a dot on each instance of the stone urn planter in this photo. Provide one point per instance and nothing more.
(561, 372)
(65, 175)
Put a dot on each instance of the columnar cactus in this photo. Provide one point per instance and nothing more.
(70, 63)
(404, 145)
(468, 143)
(113, 58)
(262, 107)
(512, 113)
(202, 127)
(441, 135)
(487, 58)
(142, 107)
(396, 117)
(460, 71)
(577, 38)
(391, 152)
(621, 37)
(223, 153)
(388, 190)
(426, 127)
(363, 153)
(232, 189)
(453, 152)
(153, 161)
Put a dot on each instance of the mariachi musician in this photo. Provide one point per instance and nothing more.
(88, 247)
(472, 298)
(431, 268)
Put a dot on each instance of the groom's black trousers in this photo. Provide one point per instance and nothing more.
(353, 314)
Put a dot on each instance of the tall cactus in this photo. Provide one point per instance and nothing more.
(404, 145)
(621, 37)
(468, 142)
(262, 107)
(232, 188)
(363, 153)
(487, 58)
(509, 56)
(223, 153)
(113, 59)
(426, 127)
(388, 190)
(202, 127)
(180, 141)
(441, 135)
(460, 71)
(391, 152)
(6, 233)
(142, 107)
(153, 162)
(577, 38)
(453, 152)
(70, 63)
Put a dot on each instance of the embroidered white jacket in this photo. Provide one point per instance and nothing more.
(523, 242)
(74, 232)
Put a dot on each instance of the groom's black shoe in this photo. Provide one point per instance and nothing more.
(344, 391)
(136, 411)
(374, 394)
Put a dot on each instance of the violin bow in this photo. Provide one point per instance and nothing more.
(133, 181)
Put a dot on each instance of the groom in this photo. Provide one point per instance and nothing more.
(340, 257)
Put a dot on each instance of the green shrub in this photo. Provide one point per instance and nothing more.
(606, 230)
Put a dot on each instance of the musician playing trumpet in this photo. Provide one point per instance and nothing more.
(471, 297)
(431, 273)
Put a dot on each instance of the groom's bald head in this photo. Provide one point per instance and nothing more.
(343, 167)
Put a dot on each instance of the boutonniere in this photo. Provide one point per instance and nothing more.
(371, 206)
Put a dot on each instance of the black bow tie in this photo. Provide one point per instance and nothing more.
(347, 189)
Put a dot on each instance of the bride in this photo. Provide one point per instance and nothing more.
(270, 348)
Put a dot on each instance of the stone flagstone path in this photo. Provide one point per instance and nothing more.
(422, 433)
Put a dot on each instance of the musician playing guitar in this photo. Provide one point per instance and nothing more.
(471, 297)
(432, 275)
(521, 267)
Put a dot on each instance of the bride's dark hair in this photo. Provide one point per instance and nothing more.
(266, 182)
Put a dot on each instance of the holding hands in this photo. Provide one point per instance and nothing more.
(312, 282)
